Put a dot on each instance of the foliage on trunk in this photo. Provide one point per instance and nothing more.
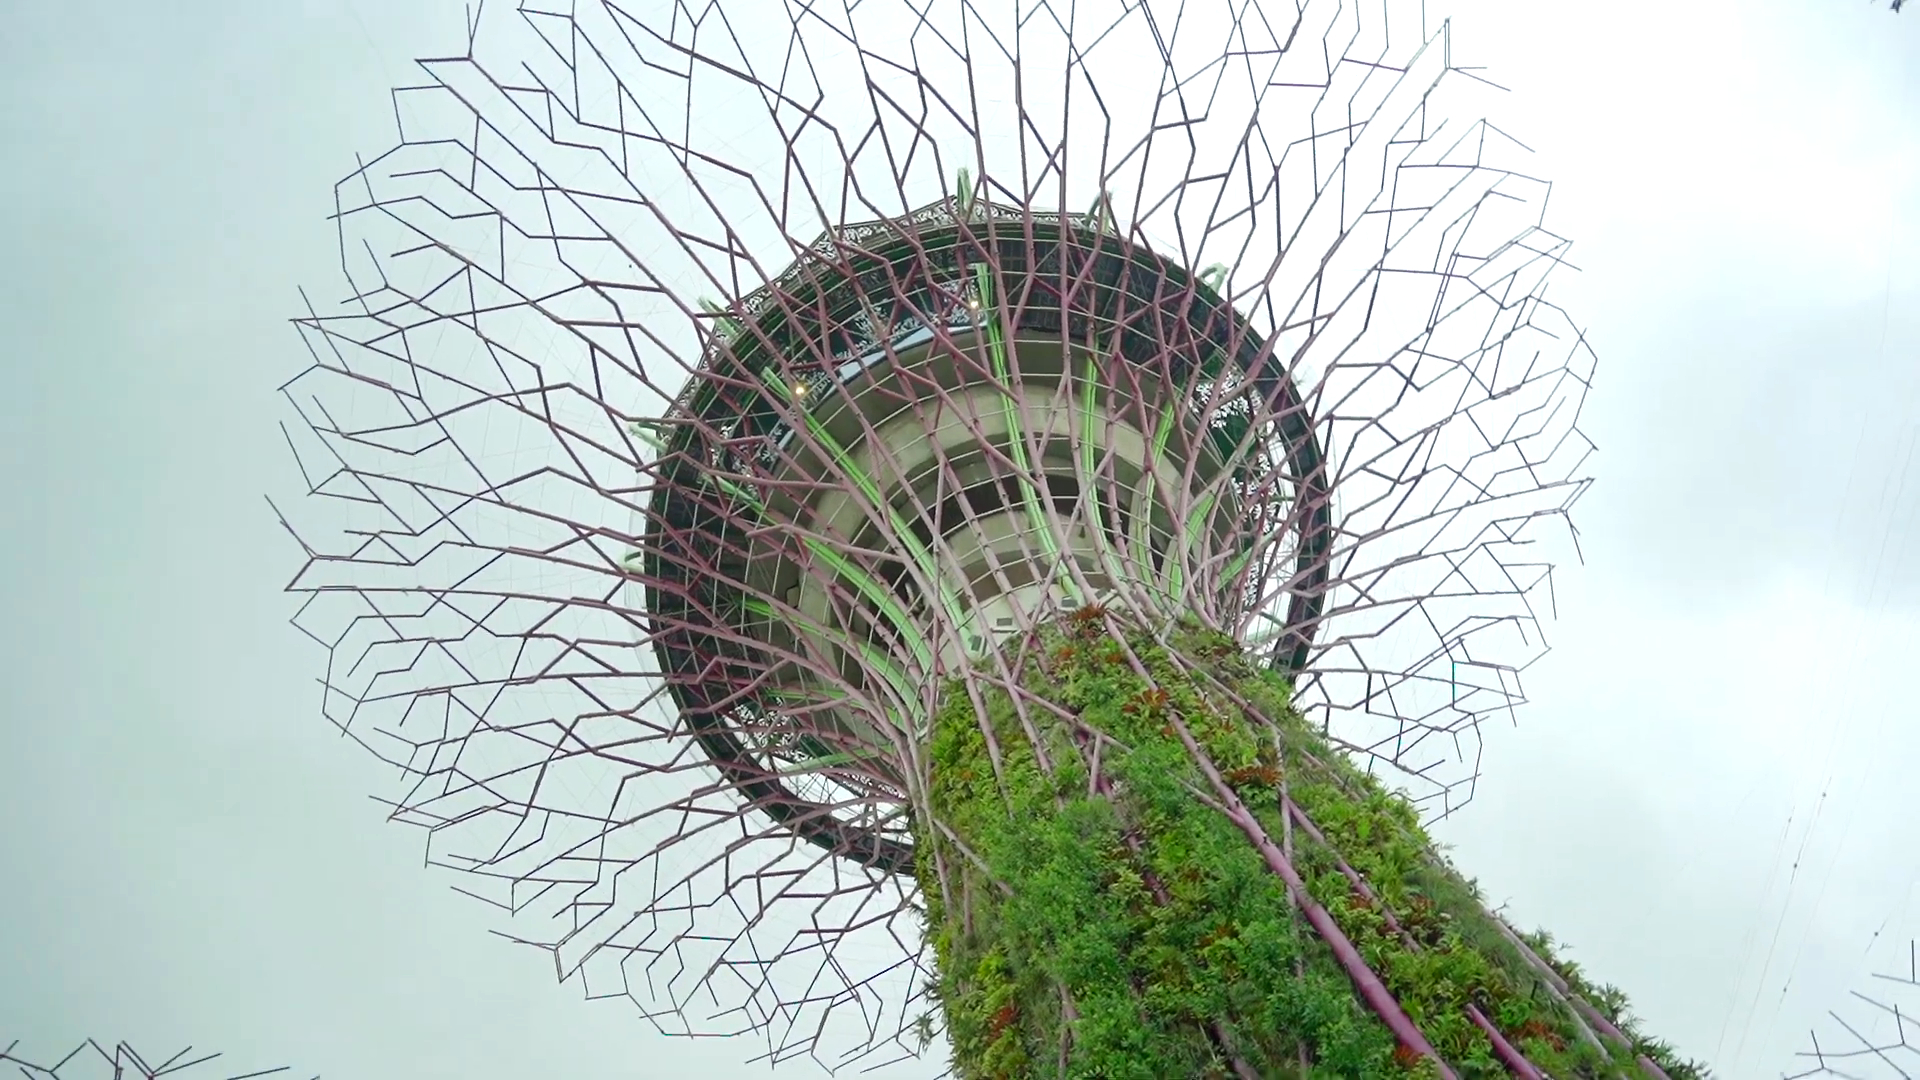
(1094, 913)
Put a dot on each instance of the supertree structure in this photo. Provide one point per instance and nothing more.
(860, 521)
(1875, 1032)
(93, 1061)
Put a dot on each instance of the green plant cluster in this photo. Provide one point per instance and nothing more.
(1111, 924)
(1611, 1001)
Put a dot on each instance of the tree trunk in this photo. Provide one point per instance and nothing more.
(1140, 862)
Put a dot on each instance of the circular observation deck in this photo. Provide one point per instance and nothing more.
(924, 437)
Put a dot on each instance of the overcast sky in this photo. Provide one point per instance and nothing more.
(188, 856)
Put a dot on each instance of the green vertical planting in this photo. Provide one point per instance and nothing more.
(1103, 920)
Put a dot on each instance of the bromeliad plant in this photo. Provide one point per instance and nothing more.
(1138, 861)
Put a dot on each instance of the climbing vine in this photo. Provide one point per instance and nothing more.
(1095, 914)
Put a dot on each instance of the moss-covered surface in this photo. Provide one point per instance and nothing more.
(1107, 922)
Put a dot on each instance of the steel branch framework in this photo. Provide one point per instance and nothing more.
(708, 393)
(92, 1061)
(1874, 1033)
